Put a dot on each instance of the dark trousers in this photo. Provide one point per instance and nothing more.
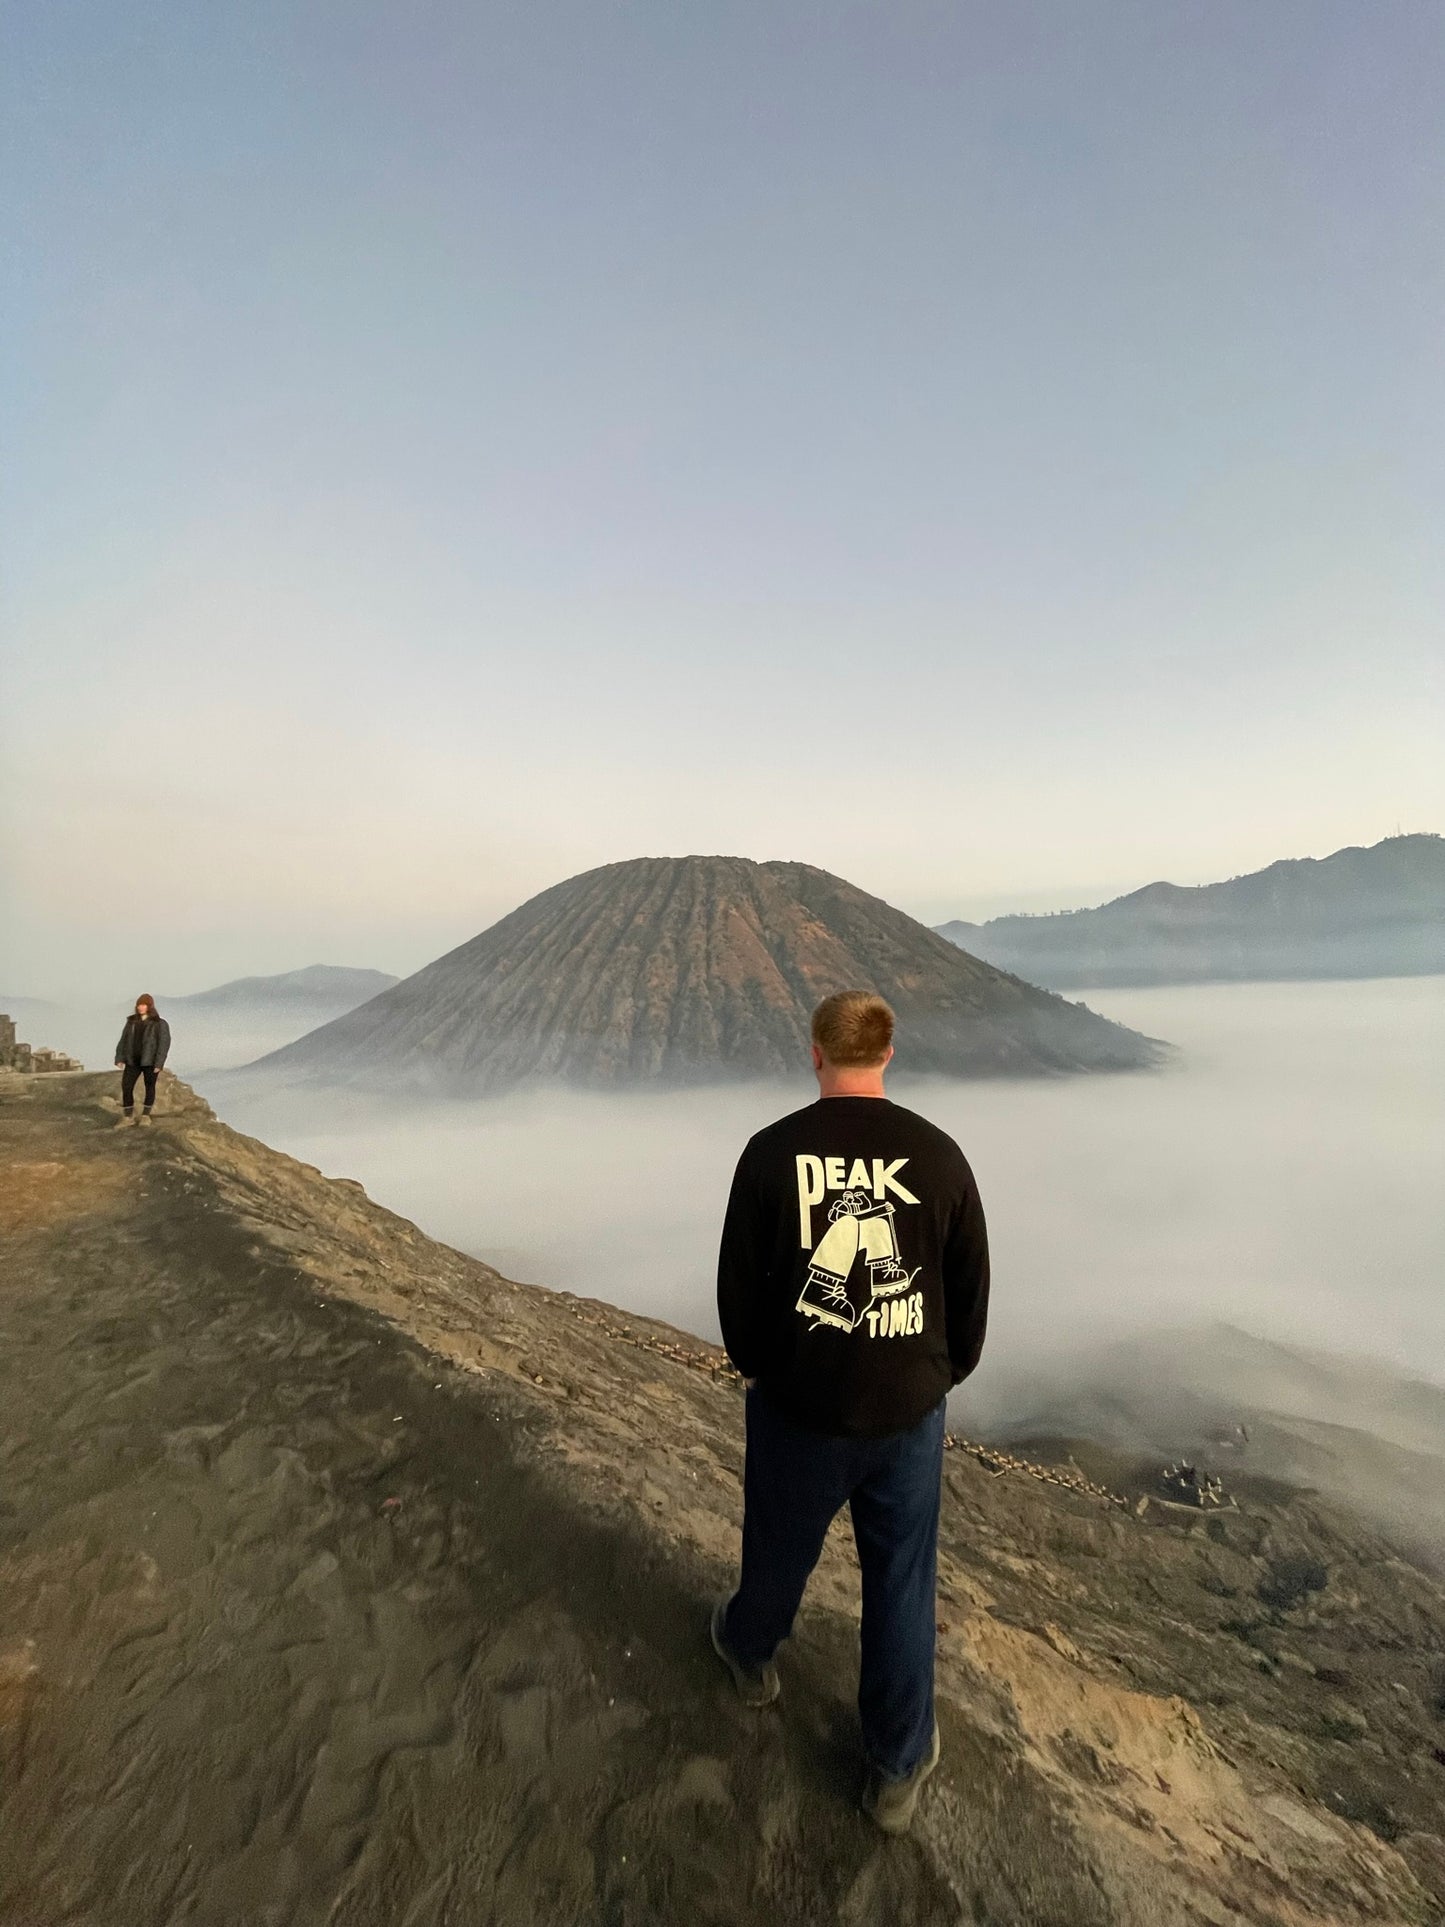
(794, 1481)
(127, 1085)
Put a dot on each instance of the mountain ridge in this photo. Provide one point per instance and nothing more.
(339, 985)
(1376, 910)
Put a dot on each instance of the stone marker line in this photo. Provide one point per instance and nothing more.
(715, 1364)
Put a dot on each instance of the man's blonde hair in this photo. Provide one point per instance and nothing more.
(853, 1028)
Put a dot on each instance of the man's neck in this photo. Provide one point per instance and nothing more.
(850, 1083)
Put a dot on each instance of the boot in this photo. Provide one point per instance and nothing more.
(126, 1117)
(890, 1803)
(757, 1686)
(887, 1277)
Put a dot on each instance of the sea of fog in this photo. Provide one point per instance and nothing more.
(1285, 1176)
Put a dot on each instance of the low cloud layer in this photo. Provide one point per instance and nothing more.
(1279, 1185)
(1283, 1178)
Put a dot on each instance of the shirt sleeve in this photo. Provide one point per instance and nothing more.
(965, 1281)
(742, 1269)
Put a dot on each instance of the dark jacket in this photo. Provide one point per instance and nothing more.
(145, 1041)
(853, 1276)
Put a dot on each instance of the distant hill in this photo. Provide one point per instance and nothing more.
(1376, 912)
(691, 969)
(323, 987)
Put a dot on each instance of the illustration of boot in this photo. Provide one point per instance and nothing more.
(824, 1297)
(888, 1277)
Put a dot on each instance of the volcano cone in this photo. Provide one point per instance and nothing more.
(688, 970)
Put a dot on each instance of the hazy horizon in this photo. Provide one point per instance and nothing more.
(106, 982)
(106, 986)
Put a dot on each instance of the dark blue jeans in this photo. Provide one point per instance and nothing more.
(794, 1481)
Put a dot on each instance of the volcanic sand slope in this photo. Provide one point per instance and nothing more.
(686, 969)
(343, 1581)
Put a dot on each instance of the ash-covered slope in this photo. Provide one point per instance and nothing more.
(344, 1581)
(1355, 1429)
(689, 969)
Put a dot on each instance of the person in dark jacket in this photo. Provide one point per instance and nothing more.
(853, 1283)
(144, 1045)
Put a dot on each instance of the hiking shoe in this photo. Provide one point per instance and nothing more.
(145, 1117)
(126, 1117)
(757, 1686)
(890, 1803)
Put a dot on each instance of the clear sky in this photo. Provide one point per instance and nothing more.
(993, 452)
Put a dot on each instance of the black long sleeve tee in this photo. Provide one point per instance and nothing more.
(853, 1275)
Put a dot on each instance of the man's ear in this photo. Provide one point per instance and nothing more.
(887, 1057)
(817, 1058)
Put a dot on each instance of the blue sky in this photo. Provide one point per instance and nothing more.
(991, 452)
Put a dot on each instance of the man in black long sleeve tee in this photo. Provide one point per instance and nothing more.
(853, 1293)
